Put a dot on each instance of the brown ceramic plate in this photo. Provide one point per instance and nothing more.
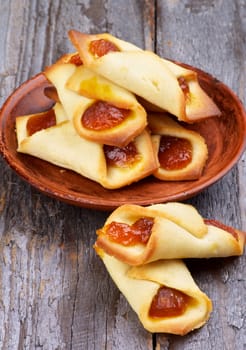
(225, 137)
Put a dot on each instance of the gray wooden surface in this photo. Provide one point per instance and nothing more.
(54, 291)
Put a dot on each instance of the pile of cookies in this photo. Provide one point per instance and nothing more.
(120, 114)
(142, 248)
(116, 115)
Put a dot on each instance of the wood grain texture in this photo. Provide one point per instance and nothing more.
(54, 291)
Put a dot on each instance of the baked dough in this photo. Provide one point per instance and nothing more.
(149, 76)
(79, 88)
(198, 104)
(161, 124)
(141, 72)
(140, 284)
(146, 164)
(58, 74)
(178, 232)
(61, 145)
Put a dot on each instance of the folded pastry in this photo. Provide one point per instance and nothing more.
(198, 105)
(58, 143)
(100, 110)
(163, 294)
(130, 163)
(160, 82)
(138, 235)
(58, 74)
(182, 153)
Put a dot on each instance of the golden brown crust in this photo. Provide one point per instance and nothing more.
(81, 42)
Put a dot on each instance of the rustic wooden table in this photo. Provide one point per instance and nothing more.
(54, 291)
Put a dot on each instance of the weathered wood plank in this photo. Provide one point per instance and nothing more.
(61, 293)
(211, 35)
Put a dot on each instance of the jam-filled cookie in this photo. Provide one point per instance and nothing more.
(182, 153)
(162, 83)
(51, 136)
(100, 110)
(137, 235)
(131, 163)
(163, 294)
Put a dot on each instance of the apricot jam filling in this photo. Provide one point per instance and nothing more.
(121, 156)
(101, 47)
(184, 86)
(75, 59)
(102, 115)
(218, 224)
(39, 122)
(174, 153)
(168, 302)
(129, 235)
